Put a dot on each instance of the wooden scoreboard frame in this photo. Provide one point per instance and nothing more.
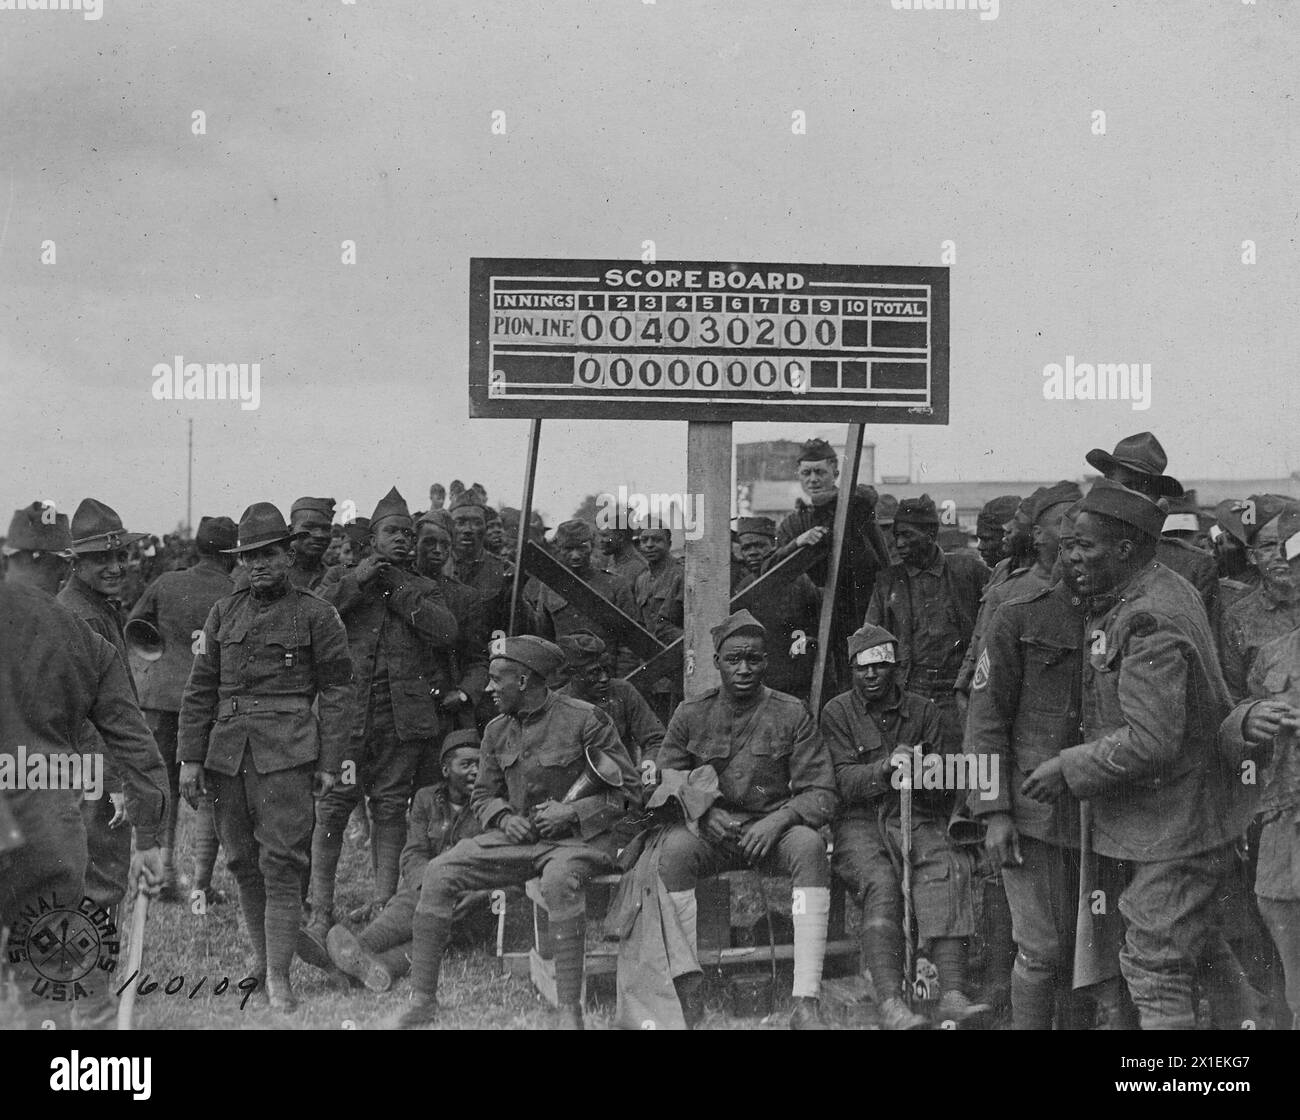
(708, 340)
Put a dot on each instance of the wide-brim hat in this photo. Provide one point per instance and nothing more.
(259, 525)
(37, 528)
(1141, 453)
(97, 528)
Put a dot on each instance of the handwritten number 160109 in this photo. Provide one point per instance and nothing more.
(176, 984)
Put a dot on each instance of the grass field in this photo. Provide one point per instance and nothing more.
(474, 992)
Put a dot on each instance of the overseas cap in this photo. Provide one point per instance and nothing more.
(757, 526)
(581, 648)
(1133, 509)
(33, 529)
(1049, 496)
(461, 738)
(574, 532)
(871, 638)
(917, 511)
(439, 517)
(391, 504)
(997, 512)
(532, 652)
(742, 622)
(323, 506)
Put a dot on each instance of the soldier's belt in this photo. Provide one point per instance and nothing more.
(248, 705)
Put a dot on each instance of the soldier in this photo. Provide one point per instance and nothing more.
(777, 788)
(471, 564)
(437, 496)
(1138, 462)
(1025, 707)
(1272, 609)
(1264, 730)
(38, 548)
(790, 616)
(990, 527)
(309, 521)
(99, 547)
(586, 663)
(494, 533)
(247, 730)
(865, 552)
(440, 818)
(176, 605)
(533, 753)
(930, 601)
(1164, 801)
(57, 675)
(660, 595)
(618, 549)
(1042, 521)
(401, 635)
(873, 732)
(555, 616)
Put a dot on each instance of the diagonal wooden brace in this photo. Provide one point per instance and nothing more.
(668, 661)
(542, 565)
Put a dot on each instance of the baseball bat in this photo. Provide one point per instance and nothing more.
(135, 953)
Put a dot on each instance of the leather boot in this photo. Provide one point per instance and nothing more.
(955, 1007)
(420, 1012)
(283, 913)
(1115, 1011)
(280, 992)
(690, 994)
(350, 956)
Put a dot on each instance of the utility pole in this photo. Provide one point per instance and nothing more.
(189, 484)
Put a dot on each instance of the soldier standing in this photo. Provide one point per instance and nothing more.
(1164, 800)
(586, 662)
(1272, 609)
(777, 788)
(660, 595)
(866, 554)
(400, 633)
(471, 564)
(990, 528)
(248, 731)
(790, 615)
(57, 675)
(100, 549)
(556, 616)
(618, 547)
(930, 601)
(177, 604)
(532, 755)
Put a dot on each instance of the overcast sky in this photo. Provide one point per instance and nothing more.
(626, 121)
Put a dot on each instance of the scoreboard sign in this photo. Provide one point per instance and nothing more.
(708, 341)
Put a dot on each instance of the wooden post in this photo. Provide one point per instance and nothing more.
(848, 484)
(525, 519)
(708, 559)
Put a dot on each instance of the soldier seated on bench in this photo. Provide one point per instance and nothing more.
(871, 731)
(777, 789)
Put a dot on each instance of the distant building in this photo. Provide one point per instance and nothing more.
(767, 474)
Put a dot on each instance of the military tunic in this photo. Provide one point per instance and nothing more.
(638, 727)
(1254, 620)
(529, 758)
(556, 616)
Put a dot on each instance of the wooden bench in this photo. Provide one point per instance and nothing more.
(713, 932)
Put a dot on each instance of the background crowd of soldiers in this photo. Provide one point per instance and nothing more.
(1130, 663)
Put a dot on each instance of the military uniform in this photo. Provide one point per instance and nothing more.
(109, 848)
(1256, 619)
(1275, 675)
(400, 635)
(247, 718)
(932, 610)
(56, 674)
(486, 574)
(556, 617)
(1163, 799)
(638, 727)
(659, 592)
(796, 608)
(861, 737)
(1195, 565)
(529, 757)
(1025, 708)
(770, 760)
(177, 604)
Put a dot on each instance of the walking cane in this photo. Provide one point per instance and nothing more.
(126, 1006)
(909, 940)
